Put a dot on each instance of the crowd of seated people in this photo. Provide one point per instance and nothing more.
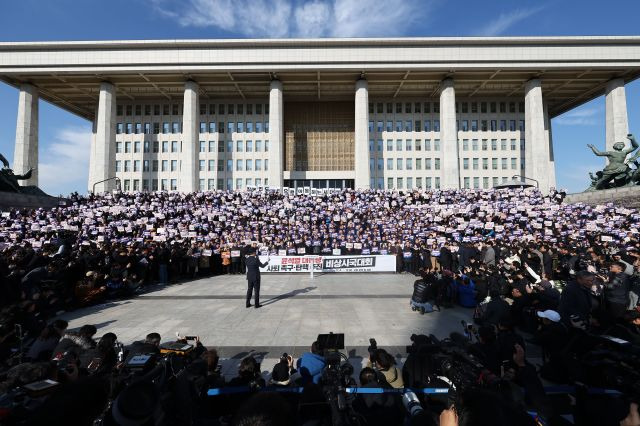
(101, 380)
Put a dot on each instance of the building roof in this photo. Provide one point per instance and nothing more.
(573, 70)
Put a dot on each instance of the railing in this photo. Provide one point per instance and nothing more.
(524, 177)
(93, 188)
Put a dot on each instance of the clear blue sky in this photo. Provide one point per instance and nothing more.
(64, 138)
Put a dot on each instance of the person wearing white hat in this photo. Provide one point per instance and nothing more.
(552, 337)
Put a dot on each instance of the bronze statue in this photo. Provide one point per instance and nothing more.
(617, 173)
(9, 180)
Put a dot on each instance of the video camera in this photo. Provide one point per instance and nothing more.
(159, 369)
(336, 377)
(433, 363)
(607, 362)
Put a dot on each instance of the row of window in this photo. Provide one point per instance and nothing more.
(461, 125)
(203, 165)
(504, 162)
(399, 183)
(429, 183)
(495, 181)
(419, 144)
(374, 108)
(175, 127)
(404, 144)
(204, 146)
(513, 144)
(176, 109)
(377, 126)
(172, 184)
(404, 163)
(462, 107)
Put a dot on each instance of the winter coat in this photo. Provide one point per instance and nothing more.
(466, 294)
(575, 300)
(617, 289)
(310, 367)
(73, 342)
(496, 310)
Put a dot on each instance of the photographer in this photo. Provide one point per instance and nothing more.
(101, 359)
(379, 408)
(552, 335)
(480, 407)
(150, 345)
(311, 364)
(42, 348)
(76, 341)
(616, 292)
(496, 310)
(384, 363)
(465, 289)
(282, 372)
(486, 349)
(248, 374)
(628, 328)
(576, 300)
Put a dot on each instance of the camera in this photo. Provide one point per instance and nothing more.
(373, 346)
(469, 331)
(411, 403)
(445, 361)
(336, 377)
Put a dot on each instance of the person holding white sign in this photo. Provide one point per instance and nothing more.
(253, 277)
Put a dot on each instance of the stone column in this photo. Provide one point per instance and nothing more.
(536, 159)
(551, 165)
(450, 163)
(26, 149)
(189, 171)
(617, 124)
(105, 140)
(361, 135)
(92, 157)
(276, 135)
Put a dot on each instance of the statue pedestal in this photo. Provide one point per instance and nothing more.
(10, 200)
(628, 196)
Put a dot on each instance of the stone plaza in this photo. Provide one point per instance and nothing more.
(296, 308)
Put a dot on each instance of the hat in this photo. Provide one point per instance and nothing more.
(550, 315)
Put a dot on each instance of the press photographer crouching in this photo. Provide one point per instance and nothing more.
(378, 408)
(385, 366)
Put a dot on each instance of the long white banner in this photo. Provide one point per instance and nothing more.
(366, 263)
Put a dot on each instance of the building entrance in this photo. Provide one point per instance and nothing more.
(319, 183)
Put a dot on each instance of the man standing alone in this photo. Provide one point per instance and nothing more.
(253, 276)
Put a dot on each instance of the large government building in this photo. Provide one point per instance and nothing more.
(195, 115)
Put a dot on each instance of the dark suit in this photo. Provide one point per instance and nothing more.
(253, 277)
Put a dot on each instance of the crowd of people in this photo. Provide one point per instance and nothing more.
(562, 275)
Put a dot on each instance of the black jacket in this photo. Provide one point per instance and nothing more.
(253, 268)
(497, 309)
(446, 258)
(575, 300)
(617, 289)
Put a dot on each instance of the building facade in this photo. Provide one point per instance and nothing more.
(198, 115)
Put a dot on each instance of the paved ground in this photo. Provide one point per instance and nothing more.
(295, 310)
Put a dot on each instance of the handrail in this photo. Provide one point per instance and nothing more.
(93, 189)
(524, 177)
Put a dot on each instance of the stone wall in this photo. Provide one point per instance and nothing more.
(10, 200)
(627, 197)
